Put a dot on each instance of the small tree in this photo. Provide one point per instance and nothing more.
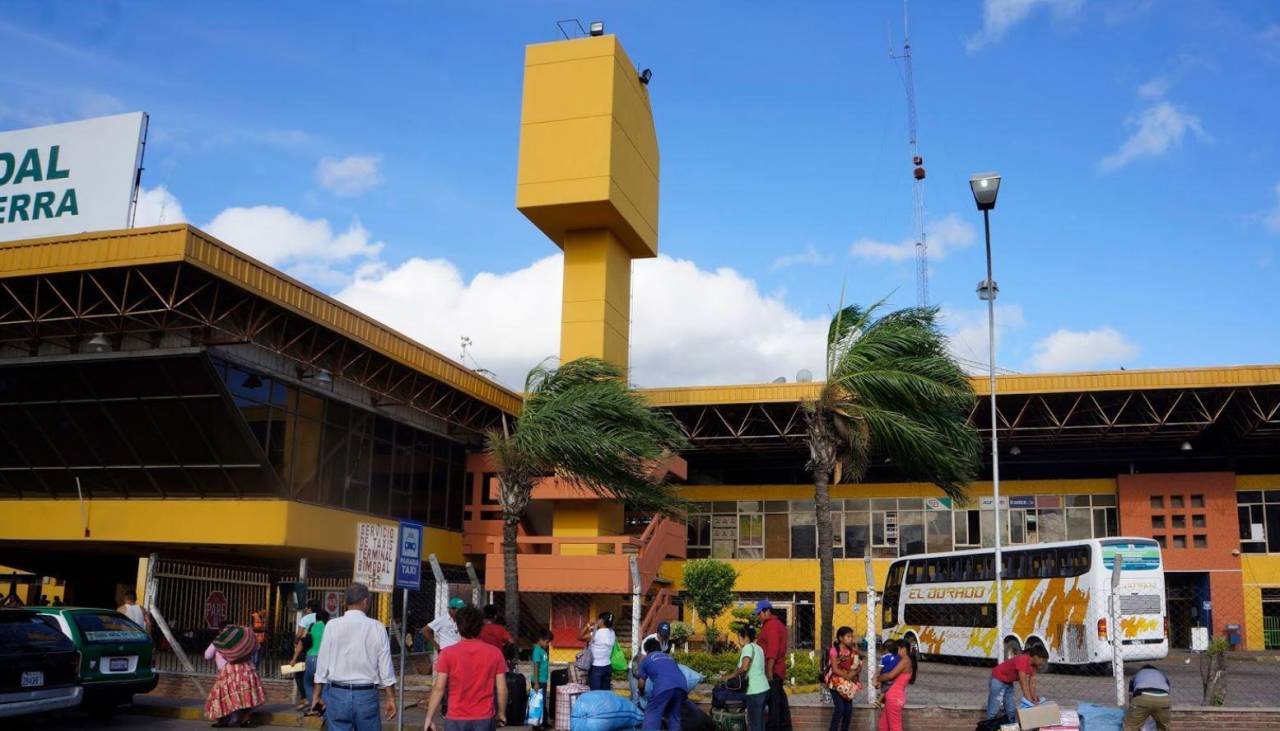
(708, 587)
(744, 617)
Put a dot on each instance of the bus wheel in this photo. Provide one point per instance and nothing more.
(1011, 647)
(1035, 642)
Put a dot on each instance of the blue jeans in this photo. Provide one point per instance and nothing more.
(351, 710)
(1001, 693)
(600, 677)
(477, 725)
(755, 711)
(309, 677)
(664, 706)
(841, 712)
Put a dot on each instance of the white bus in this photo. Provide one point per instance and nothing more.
(1055, 595)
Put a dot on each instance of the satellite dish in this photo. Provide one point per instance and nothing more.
(804, 376)
(779, 379)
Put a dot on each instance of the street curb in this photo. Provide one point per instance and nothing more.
(261, 718)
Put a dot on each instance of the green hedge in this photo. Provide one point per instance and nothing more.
(712, 666)
(805, 670)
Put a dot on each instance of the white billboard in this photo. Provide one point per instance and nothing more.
(69, 178)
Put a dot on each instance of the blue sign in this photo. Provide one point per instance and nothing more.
(409, 556)
(1022, 501)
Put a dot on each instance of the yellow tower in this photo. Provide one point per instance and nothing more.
(588, 179)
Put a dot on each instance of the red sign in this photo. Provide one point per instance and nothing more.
(332, 602)
(215, 609)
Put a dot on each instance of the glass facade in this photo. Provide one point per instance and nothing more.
(163, 427)
(1258, 512)
(890, 527)
(329, 452)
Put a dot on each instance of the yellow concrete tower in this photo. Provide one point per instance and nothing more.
(588, 178)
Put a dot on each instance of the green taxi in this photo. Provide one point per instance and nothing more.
(115, 654)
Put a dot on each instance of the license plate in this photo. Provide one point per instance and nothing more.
(119, 664)
(32, 679)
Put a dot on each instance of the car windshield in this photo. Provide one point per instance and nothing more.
(26, 631)
(104, 627)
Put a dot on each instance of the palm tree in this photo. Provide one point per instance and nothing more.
(892, 389)
(582, 424)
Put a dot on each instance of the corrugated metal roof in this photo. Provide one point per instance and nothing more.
(1153, 379)
(184, 243)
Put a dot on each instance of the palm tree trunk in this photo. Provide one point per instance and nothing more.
(510, 575)
(826, 558)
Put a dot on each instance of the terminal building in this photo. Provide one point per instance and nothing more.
(163, 393)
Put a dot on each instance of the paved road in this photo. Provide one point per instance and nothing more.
(1249, 683)
(79, 721)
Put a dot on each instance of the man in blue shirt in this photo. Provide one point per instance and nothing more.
(666, 687)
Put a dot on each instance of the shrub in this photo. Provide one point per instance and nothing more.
(804, 671)
(680, 633)
(712, 666)
(708, 588)
(744, 617)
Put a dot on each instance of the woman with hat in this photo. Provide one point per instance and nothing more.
(238, 688)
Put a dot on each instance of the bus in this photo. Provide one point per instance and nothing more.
(1056, 595)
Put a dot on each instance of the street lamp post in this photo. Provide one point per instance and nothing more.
(985, 186)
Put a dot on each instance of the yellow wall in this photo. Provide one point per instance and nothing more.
(595, 313)
(576, 518)
(700, 493)
(261, 523)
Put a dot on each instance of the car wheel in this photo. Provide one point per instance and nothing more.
(1011, 647)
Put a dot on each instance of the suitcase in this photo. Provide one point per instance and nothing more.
(517, 699)
(555, 679)
(565, 696)
(727, 719)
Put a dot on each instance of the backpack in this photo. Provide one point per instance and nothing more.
(993, 724)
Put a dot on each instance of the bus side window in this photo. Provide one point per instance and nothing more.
(984, 567)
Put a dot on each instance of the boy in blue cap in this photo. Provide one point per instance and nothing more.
(666, 687)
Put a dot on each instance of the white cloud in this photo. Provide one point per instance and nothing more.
(966, 331)
(1155, 88)
(690, 326)
(810, 255)
(1158, 129)
(999, 16)
(350, 176)
(1271, 218)
(305, 248)
(1069, 350)
(943, 236)
(156, 206)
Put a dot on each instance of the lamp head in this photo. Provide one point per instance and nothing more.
(596, 28)
(985, 186)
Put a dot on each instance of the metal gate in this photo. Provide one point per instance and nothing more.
(195, 599)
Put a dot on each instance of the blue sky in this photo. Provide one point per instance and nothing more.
(370, 150)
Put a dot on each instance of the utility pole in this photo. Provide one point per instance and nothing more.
(917, 165)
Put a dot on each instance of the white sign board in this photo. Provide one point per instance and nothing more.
(69, 178)
(376, 548)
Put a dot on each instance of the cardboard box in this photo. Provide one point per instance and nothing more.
(1070, 722)
(1045, 714)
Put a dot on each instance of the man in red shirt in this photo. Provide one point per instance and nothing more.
(475, 674)
(1017, 670)
(493, 632)
(773, 642)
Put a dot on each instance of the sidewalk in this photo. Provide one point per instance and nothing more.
(271, 714)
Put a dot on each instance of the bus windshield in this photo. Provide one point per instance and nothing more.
(1139, 555)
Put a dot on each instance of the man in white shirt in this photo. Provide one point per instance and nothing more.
(134, 612)
(354, 662)
(443, 630)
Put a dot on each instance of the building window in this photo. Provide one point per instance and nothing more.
(1179, 541)
(750, 535)
(1200, 541)
(1197, 501)
(1157, 502)
(1175, 502)
(842, 597)
(1161, 540)
(804, 533)
(1259, 517)
(1179, 522)
(1197, 521)
(1157, 522)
